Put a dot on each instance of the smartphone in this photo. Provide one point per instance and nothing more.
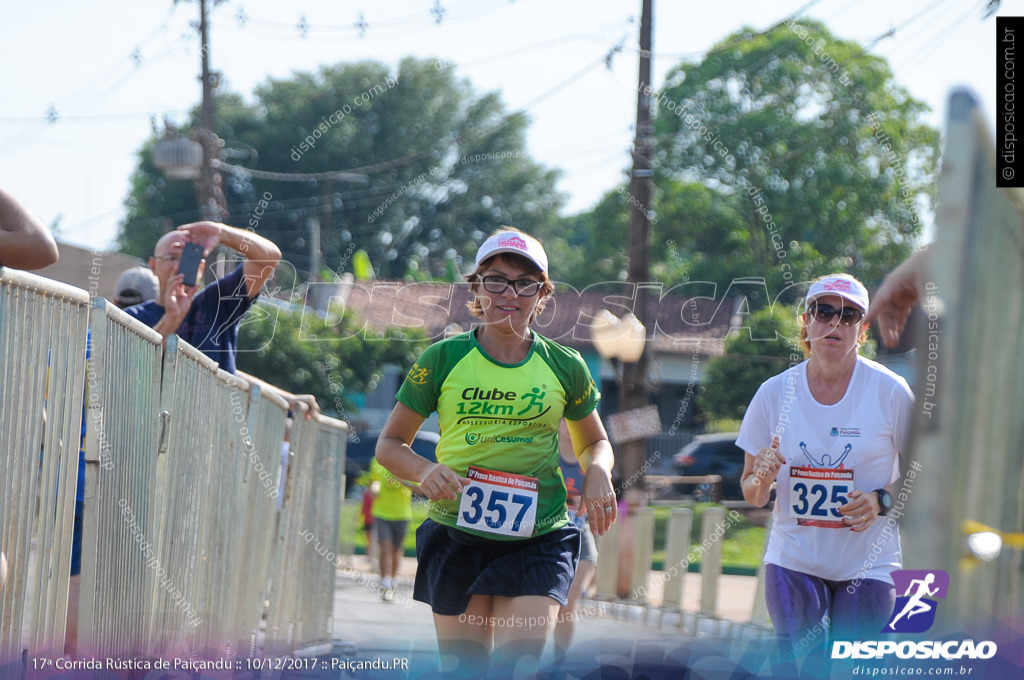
(191, 256)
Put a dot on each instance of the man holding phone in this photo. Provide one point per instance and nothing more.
(207, 319)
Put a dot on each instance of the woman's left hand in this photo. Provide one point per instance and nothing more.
(598, 500)
(861, 510)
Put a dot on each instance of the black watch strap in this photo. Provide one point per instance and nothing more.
(884, 501)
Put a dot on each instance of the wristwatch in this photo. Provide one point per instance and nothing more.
(884, 501)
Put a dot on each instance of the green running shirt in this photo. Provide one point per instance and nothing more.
(501, 417)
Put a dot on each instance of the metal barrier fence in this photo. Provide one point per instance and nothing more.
(120, 437)
(282, 615)
(262, 498)
(300, 617)
(226, 520)
(188, 399)
(325, 494)
(43, 327)
(184, 547)
(966, 452)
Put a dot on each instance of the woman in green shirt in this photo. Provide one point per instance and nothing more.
(498, 552)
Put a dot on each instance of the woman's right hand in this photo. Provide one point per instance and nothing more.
(766, 465)
(442, 484)
(759, 471)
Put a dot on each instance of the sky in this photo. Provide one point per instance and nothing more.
(84, 82)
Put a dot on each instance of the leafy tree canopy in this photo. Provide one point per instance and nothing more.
(443, 168)
(788, 154)
(808, 130)
(769, 347)
(329, 358)
(768, 344)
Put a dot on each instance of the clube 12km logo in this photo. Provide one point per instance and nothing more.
(917, 595)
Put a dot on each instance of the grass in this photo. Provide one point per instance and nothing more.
(742, 543)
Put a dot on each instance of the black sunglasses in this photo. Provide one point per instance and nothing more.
(498, 284)
(848, 316)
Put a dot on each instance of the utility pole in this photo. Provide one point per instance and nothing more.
(316, 264)
(205, 189)
(634, 375)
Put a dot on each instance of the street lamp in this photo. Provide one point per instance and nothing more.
(618, 339)
(621, 341)
(178, 157)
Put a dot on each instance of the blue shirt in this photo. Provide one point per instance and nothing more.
(211, 324)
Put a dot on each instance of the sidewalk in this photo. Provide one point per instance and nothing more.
(368, 628)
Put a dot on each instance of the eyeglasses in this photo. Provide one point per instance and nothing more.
(168, 258)
(848, 316)
(498, 284)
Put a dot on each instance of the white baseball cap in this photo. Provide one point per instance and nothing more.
(514, 242)
(843, 285)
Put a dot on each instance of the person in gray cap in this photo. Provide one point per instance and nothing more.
(135, 286)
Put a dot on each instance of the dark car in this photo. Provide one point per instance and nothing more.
(712, 454)
(359, 452)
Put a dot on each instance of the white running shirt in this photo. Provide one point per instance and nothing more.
(864, 432)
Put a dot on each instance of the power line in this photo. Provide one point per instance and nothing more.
(338, 175)
(893, 31)
(562, 85)
(90, 88)
(97, 118)
(734, 44)
(54, 116)
(363, 23)
(915, 61)
(835, 15)
(411, 158)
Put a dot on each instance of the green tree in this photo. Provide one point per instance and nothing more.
(443, 168)
(788, 155)
(768, 345)
(328, 358)
(750, 358)
(806, 133)
(590, 247)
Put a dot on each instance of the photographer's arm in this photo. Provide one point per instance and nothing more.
(261, 255)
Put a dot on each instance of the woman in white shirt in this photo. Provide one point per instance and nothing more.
(828, 432)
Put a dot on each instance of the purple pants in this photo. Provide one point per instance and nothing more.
(808, 612)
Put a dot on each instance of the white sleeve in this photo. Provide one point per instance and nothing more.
(755, 432)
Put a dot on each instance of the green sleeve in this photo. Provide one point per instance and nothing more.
(421, 387)
(581, 395)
